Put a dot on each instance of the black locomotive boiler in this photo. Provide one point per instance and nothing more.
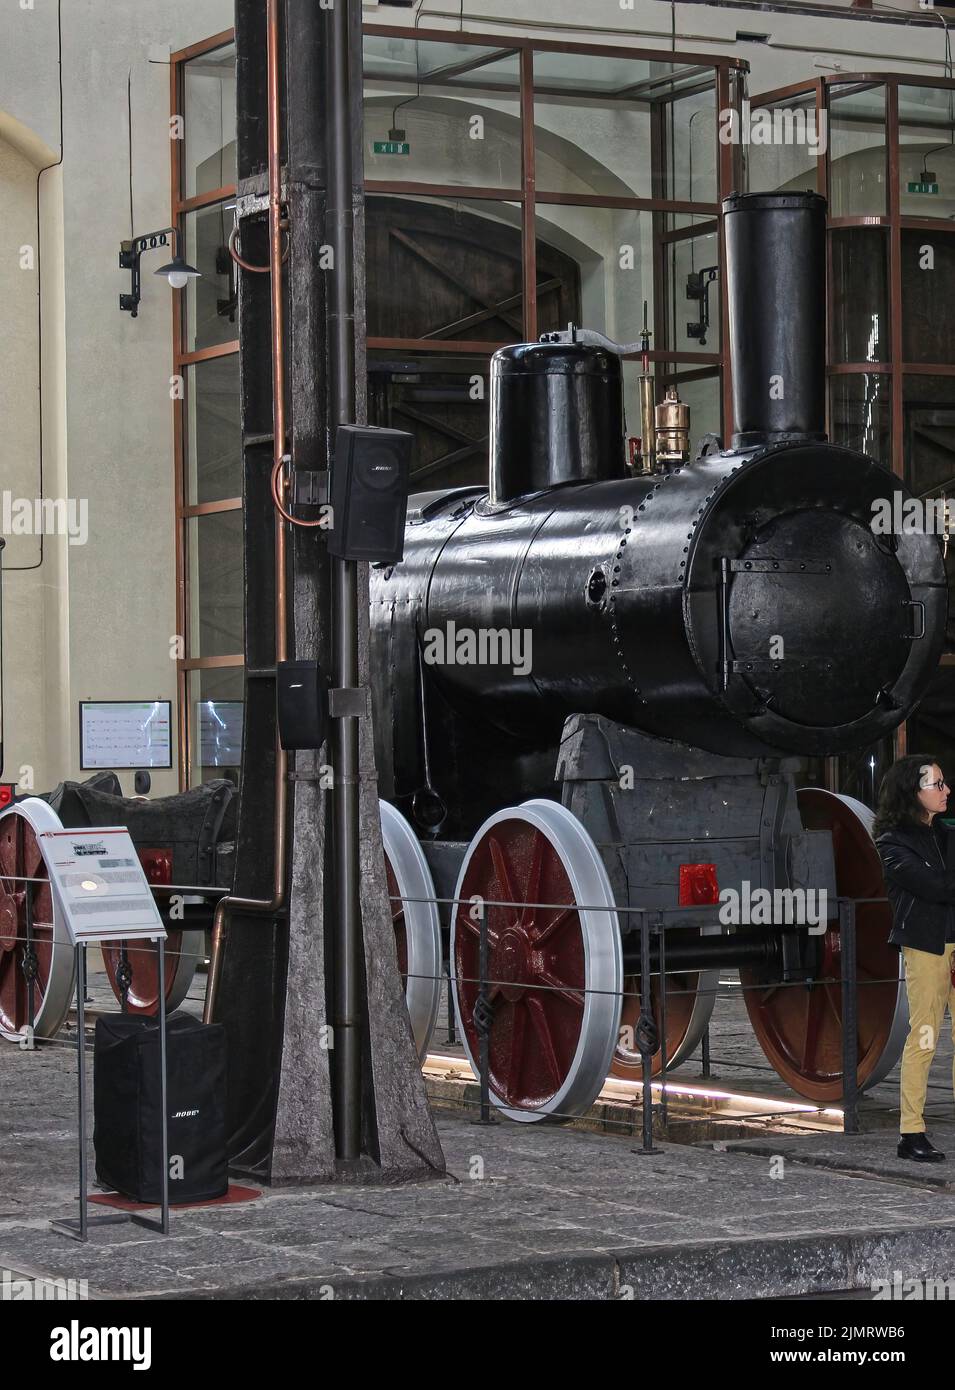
(595, 690)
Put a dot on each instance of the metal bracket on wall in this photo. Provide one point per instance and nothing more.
(353, 703)
(310, 487)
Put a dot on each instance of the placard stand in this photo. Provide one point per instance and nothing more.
(77, 1230)
(99, 888)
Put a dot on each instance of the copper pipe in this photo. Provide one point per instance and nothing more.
(274, 904)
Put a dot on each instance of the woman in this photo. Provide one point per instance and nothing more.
(922, 893)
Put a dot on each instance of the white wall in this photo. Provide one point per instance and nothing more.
(96, 620)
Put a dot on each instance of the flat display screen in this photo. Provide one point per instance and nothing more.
(125, 733)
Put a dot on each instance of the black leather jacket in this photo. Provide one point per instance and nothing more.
(920, 888)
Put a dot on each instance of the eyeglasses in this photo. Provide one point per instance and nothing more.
(936, 786)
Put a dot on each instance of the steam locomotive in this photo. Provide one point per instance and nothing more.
(595, 692)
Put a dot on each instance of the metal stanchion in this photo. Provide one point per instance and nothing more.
(452, 1033)
(146, 1221)
(850, 1049)
(30, 966)
(483, 1017)
(646, 1036)
(663, 1021)
(705, 1048)
(124, 978)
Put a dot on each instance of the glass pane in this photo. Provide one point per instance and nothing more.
(860, 294)
(444, 270)
(413, 60)
(690, 147)
(216, 706)
(862, 770)
(861, 414)
(931, 729)
(928, 444)
(593, 123)
(701, 393)
(211, 308)
(784, 145)
(213, 437)
(446, 133)
(928, 281)
(857, 150)
(595, 267)
(692, 322)
(214, 561)
(926, 151)
(442, 400)
(209, 117)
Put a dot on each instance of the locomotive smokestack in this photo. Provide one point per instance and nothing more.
(776, 290)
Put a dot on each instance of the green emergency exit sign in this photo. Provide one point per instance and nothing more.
(923, 187)
(392, 147)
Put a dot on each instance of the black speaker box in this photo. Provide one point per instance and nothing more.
(369, 494)
(127, 1109)
(302, 704)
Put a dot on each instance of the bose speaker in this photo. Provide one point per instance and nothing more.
(369, 494)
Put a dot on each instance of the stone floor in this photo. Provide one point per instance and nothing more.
(526, 1211)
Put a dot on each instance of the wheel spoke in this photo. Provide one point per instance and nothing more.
(562, 989)
(516, 1060)
(561, 920)
(532, 892)
(542, 1029)
(508, 892)
(465, 920)
(814, 1012)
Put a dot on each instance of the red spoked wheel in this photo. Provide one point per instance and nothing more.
(555, 972)
(799, 1027)
(690, 998)
(416, 923)
(52, 968)
(135, 963)
(183, 951)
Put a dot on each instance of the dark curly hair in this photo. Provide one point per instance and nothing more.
(899, 803)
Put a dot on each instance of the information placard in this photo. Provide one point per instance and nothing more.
(100, 885)
(125, 733)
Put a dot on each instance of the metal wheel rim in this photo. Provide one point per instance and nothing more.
(187, 946)
(422, 924)
(55, 1004)
(883, 1023)
(899, 1027)
(603, 958)
(700, 1015)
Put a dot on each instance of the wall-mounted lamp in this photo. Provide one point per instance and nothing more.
(177, 271)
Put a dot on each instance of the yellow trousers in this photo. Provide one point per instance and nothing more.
(928, 983)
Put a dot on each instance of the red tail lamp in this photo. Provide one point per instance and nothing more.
(8, 791)
(699, 885)
(158, 865)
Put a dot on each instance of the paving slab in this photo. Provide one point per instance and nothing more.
(526, 1211)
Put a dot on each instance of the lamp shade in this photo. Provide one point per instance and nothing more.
(178, 272)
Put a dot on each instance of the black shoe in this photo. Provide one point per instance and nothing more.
(918, 1148)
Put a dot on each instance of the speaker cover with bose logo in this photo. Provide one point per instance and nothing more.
(127, 1110)
(369, 494)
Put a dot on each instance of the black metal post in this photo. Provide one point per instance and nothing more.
(341, 327)
(452, 1033)
(163, 1098)
(645, 1032)
(663, 1021)
(30, 964)
(482, 1017)
(81, 1076)
(850, 1050)
(706, 1053)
